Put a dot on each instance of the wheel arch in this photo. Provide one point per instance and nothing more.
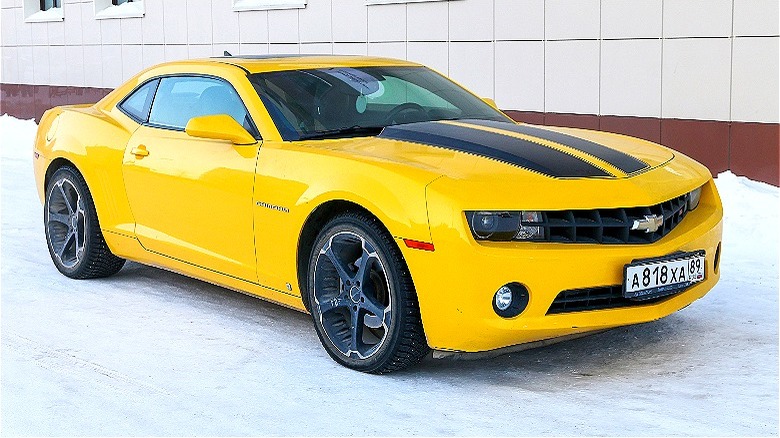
(55, 165)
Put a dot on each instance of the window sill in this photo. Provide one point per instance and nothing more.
(125, 10)
(264, 5)
(53, 14)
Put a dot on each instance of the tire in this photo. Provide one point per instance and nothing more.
(73, 235)
(373, 326)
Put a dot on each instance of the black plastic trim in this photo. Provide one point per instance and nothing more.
(595, 298)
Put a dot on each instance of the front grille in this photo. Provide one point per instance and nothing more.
(610, 225)
(595, 298)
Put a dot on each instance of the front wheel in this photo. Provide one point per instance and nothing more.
(76, 244)
(362, 298)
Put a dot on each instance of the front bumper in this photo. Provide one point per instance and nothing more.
(456, 282)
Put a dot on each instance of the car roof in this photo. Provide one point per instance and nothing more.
(280, 62)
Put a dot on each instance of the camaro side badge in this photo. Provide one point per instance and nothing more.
(650, 224)
(273, 207)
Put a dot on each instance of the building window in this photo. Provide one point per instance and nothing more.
(119, 9)
(42, 10)
(48, 4)
(263, 5)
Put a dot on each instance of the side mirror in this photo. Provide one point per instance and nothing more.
(490, 102)
(219, 127)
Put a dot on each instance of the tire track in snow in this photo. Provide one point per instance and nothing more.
(63, 362)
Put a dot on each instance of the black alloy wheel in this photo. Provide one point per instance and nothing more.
(362, 298)
(73, 234)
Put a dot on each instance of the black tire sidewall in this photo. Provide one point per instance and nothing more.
(359, 224)
(90, 222)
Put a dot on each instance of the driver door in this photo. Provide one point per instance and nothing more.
(192, 197)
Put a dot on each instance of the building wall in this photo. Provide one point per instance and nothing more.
(697, 75)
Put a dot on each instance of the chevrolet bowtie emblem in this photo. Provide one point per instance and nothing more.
(650, 224)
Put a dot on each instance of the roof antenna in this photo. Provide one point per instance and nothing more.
(226, 53)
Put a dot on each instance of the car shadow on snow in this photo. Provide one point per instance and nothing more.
(640, 350)
(171, 286)
(622, 352)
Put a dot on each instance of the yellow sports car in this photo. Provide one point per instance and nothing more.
(404, 213)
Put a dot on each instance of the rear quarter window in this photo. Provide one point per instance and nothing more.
(138, 104)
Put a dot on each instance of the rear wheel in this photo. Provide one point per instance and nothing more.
(76, 244)
(362, 298)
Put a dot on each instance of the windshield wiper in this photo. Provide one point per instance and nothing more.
(343, 132)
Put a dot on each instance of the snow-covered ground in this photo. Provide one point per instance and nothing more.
(148, 352)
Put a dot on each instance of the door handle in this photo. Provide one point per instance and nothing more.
(139, 151)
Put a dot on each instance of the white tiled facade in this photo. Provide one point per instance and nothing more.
(686, 59)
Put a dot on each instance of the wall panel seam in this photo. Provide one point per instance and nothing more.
(731, 87)
(601, 44)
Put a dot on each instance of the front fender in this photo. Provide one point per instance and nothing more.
(292, 182)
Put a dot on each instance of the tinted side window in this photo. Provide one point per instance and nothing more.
(137, 104)
(179, 99)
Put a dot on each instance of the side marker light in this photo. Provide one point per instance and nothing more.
(416, 244)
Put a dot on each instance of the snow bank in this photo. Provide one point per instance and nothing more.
(752, 212)
(17, 137)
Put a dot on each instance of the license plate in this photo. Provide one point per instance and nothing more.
(652, 278)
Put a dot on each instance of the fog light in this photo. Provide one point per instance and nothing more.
(510, 300)
(503, 298)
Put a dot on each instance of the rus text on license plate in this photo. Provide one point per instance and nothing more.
(645, 279)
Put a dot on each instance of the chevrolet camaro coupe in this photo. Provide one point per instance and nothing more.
(404, 213)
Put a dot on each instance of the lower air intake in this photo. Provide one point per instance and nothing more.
(596, 298)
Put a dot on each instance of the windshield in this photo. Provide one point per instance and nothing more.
(347, 101)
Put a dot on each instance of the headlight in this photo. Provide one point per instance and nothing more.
(693, 200)
(506, 225)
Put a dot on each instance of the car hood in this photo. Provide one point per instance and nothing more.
(474, 148)
(486, 160)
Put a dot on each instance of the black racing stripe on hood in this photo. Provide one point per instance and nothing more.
(511, 150)
(621, 160)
